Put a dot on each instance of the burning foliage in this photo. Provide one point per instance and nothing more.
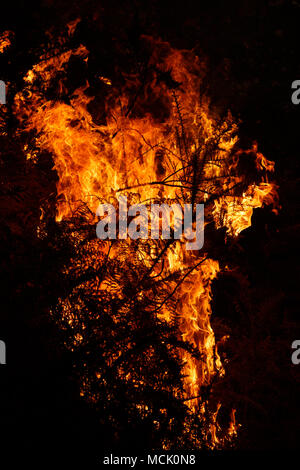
(136, 314)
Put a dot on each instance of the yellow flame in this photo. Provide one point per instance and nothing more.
(136, 154)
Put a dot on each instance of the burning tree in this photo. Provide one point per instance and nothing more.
(136, 313)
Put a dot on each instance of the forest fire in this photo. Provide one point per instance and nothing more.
(160, 142)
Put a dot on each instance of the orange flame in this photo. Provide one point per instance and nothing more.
(151, 156)
(5, 40)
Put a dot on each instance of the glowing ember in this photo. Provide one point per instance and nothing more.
(5, 40)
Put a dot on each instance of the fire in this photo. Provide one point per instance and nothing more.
(237, 212)
(5, 40)
(163, 145)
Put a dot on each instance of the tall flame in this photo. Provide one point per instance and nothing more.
(162, 145)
